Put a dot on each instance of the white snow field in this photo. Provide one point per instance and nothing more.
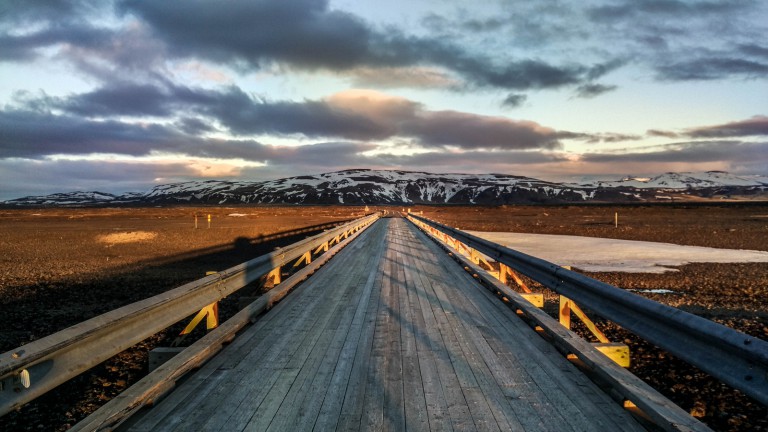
(610, 255)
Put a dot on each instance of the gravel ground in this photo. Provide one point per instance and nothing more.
(60, 268)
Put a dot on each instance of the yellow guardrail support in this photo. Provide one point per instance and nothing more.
(211, 315)
(304, 259)
(618, 352)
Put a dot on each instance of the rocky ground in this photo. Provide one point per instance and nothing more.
(60, 267)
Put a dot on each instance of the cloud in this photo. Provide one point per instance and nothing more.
(755, 126)
(514, 100)
(305, 33)
(127, 99)
(729, 151)
(661, 133)
(474, 160)
(628, 9)
(402, 77)
(24, 46)
(592, 90)
(451, 128)
(733, 156)
(309, 35)
(708, 67)
(354, 114)
(34, 134)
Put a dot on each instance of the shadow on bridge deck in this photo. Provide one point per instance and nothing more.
(390, 334)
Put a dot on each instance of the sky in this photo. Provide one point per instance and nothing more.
(118, 96)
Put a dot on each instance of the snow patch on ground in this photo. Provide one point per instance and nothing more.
(610, 255)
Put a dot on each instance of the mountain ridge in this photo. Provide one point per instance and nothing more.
(366, 186)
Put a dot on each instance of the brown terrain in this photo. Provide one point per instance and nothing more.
(62, 266)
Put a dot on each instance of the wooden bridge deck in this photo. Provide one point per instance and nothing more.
(390, 335)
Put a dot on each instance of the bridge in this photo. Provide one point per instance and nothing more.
(388, 324)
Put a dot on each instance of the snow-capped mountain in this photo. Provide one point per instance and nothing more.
(362, 186)
(671, 180)
(66, 199)
(371, 187)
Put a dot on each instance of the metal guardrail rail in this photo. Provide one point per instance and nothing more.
(33, 369)
(735, 358)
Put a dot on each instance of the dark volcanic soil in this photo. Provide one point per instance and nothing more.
(61, 267)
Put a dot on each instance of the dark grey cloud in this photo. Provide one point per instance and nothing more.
(469, 131)
(33, 134)
(755, 126)
(594, 138)
(475, 161)
(15, 12)
(308, 34)
(625, 9)
(593, 89)
(128, 99)
(322, 154)
(483, 25)
(305, 33)
(729, 151)
(242, 114)
(24, 47)
(686, 40)
(349, 115)
(514, 100)
(662, 133)
(194, 126)
(709, 67)
(754, 50)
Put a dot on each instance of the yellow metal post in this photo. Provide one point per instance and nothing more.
(210, 313)
(618, 352)
(276, 276)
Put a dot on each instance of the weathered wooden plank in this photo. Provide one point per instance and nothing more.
(304, 395)
(356, 389)
(329, 411)
(413, 389)
(450, 388)
(394, 412)
(477, 383)
(436, 406)
(308, 398)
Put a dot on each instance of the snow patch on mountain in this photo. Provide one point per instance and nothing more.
(363, 186)
(685, 180)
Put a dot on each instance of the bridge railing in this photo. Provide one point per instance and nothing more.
(33, 369)
(733, 357)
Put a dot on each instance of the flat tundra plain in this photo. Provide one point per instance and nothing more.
(63, 266)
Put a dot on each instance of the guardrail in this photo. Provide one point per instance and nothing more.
(31, 370)
(733, 357)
